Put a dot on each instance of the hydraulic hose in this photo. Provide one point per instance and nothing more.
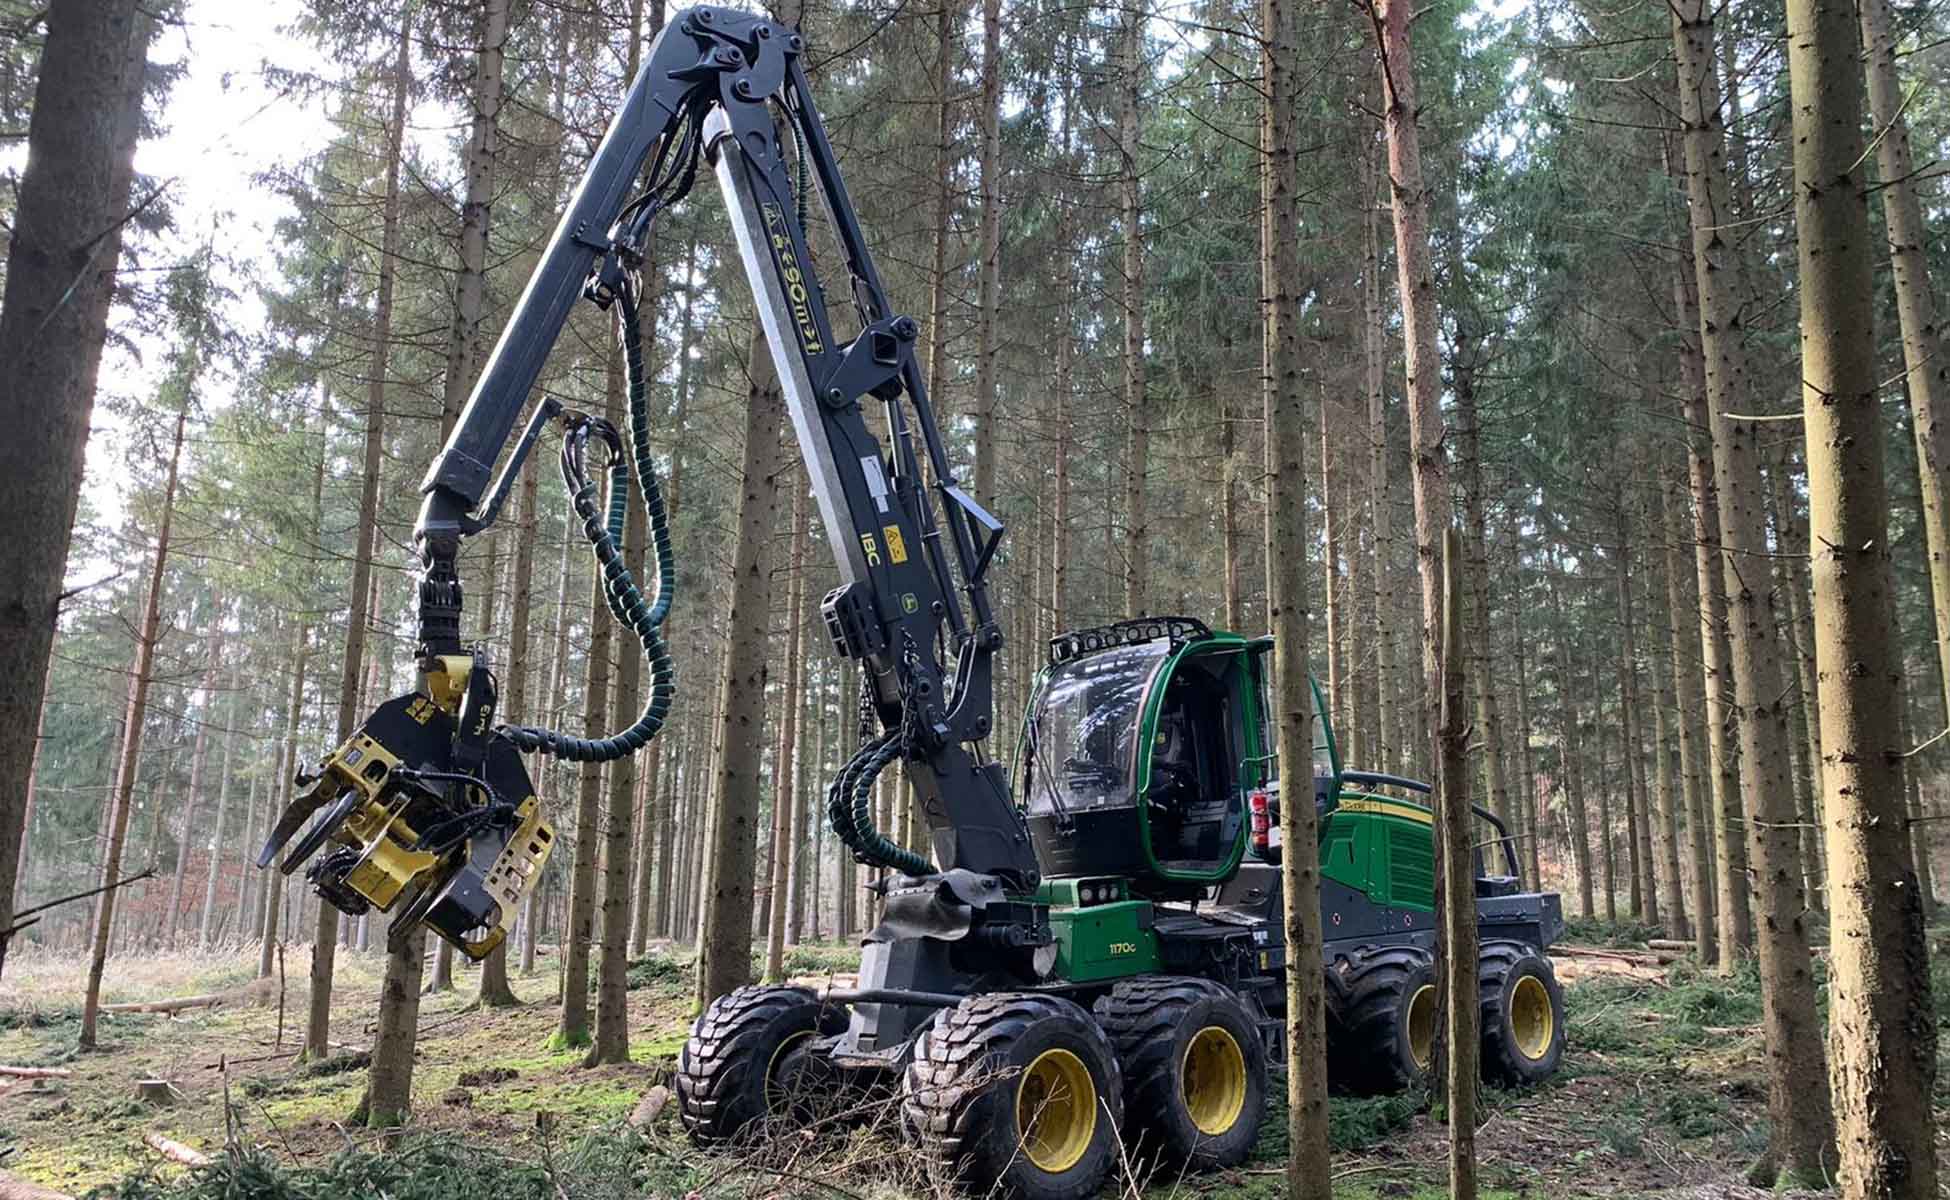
(604, 531)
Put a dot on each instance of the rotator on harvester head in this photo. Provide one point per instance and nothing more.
(1102, 959)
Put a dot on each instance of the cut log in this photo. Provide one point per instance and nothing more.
(242, 995)
(1668, 944)
(175, 1151)
(648, 1108)
(36, 1072)
(14, 1188)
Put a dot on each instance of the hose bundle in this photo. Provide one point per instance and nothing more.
(604, 531)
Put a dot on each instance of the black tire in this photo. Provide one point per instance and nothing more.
(729, 1072)
(994, 1063)
(1194, 1070)
(1387, 1045)
(1523, 1014)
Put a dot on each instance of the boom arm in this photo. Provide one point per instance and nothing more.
(717, 85)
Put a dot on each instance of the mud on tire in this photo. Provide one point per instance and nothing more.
(729, 1068)
(1381, 1020)
(1523, 1014)
(1194, 1070)
(999, 1066)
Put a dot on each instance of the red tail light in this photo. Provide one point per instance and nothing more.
(1262, 818)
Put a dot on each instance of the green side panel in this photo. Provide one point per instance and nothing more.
(1344, 852)
(1411, 863)
(1104, 941)
(1389, 859)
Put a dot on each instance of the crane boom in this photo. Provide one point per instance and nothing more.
(428, 803)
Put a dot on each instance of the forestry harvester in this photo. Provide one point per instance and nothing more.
(1094, 954)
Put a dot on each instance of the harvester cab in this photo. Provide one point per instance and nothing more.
(1148, 754)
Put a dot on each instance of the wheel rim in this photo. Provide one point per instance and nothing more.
(1056, 1110)
(1214, 1080)
(1421, 1025)
(1532, 1022)
(776, 1100)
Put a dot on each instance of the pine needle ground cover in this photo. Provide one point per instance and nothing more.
(1662, 1095)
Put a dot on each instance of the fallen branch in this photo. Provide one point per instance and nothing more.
(249, 991)
(18, 925)
(36, 1072)
(175, 1151)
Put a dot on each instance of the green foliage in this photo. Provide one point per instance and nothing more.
(1594, 931)
(662, 974)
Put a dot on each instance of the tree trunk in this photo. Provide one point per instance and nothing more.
(1383, 629)
(1797, 637)
(483, 147)
(1885, 1057)
(989, 299)
(319, 1016)
(1136, 549)
(1681, 598)
(1798, 1105)
(1571, 734)
(214, 869)
(1456, 885)
(72, 203)
(1663, 796)
(786, 803)
(725, 930)
(1476, 570)
(1927, 369)
(1307, 1173)
(131, 756)
(1645, 898)
(1734, 918)
(388, 1100)
(946, 21)
(1416, 282)
(199, 756)
(581, 932)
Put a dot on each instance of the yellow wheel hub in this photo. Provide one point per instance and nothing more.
(1056, 1110)
(1213, 1079)
(1421, 1025)
(1532, 1022)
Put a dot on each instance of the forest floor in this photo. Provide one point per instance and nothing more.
(1661, 1095)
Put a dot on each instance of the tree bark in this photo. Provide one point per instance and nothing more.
(989, 298)
(1137, 458)
(1926, 366)
(1416, 283)
(388, 1099)
(224, 774)
(1885, 1056)
(1734, 917)
(1383, 629)
(483, 148)
(72, 203)
(786, 801)
(1307, 1174)
(1571, 734)
(199, 756)
(319, 1015)
(129, 761)
(1645, 901)
(1798, 1105)
(726, 925)
(1456, 883)
(1476, 569)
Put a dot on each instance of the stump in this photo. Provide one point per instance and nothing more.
(160, 1092)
